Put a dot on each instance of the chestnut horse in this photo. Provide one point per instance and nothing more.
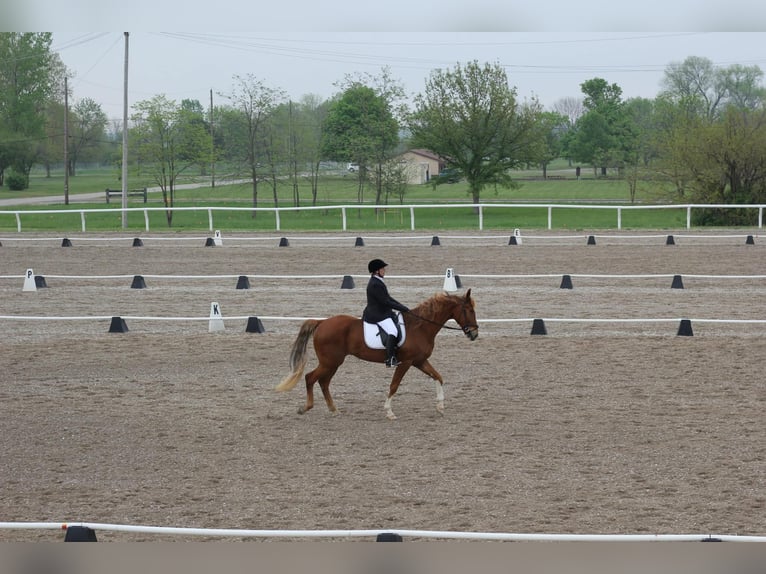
(337, 337)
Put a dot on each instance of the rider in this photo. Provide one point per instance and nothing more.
(380, 307)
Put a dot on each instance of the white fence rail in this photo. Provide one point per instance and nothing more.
(481, 209)
(438, 534)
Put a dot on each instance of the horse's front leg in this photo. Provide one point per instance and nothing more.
(397, 378)
(428, 369)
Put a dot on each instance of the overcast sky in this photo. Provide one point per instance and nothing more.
(549, 66)
(548, 48)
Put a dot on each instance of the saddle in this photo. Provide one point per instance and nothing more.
(372, 333)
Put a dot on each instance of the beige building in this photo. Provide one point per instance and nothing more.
(422, 165)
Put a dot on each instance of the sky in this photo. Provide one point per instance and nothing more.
(548, 48)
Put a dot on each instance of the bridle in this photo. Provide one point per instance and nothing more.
(466, 328)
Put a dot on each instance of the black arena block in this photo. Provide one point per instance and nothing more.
(388, 537)
(40, 281)
(566, 282)
(243, 282)
(685, 328)
(118, 325)
(359, 242)
(348, 282)
(66, 243)
(283, 242)
(254, 325)
(670, 240)
(513, 240)
(538, 327)
(678, 282)
(435, 240)
(209, 242)
(591, 239)
(138, 282)
(80, 534)
(137, 242)
(749, 240)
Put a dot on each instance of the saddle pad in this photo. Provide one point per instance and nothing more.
(372, 333)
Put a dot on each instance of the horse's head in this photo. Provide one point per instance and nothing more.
(465, 315)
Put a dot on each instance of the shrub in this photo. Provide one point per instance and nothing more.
(16, 181)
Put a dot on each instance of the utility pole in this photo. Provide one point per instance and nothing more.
(125, 141)
(212, 144)
(66, 142)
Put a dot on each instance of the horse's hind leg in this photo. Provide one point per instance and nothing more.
(322, 375)
(311, 378)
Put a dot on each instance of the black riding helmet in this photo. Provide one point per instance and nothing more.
(376, 264)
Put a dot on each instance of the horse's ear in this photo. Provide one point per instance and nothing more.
(468, 295)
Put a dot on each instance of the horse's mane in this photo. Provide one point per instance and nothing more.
(429, 307)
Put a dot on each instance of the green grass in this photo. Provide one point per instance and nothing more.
(337, 189)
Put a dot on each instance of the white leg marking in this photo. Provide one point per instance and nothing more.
(439, 397)
(389, 413)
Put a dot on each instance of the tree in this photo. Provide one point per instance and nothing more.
(470, 116)
(705, 90)
(88, 124)
(254, 102)
(361, 129)
(552, 127)
(167, 142)
(28, 78)
(599, 135)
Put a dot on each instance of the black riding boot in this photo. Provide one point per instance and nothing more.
(391, 360)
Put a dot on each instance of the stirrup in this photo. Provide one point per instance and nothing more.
(392, 362)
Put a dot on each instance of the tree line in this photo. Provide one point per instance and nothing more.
(704, 134)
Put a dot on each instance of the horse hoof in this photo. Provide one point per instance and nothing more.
(301, 411)
(440, 409)
(391, 416)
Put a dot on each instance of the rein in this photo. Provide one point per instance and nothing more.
(464, 329)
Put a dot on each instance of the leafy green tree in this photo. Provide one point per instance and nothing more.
(471, 117)
(599, 137)
(360, 128)
(167, 143)
(28, 79)
(552, 127)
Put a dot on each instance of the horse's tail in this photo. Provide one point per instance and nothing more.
(298, 358)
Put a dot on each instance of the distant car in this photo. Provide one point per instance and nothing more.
(352, 167)
(450, 175)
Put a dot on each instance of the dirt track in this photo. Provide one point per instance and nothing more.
(594, 428)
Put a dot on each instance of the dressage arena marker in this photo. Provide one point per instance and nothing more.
(538, 327)
(566, 282)
(685, 328)
(283, 242)
(29, 281)
(348, 282)
(678, 283)
(450, 285)
(216, 319)
(670, 240)
(254, 325)
(749, 240)
(138, 282)
(435, 240)
(359, 242)
(217, 239)
(209, 242)
(591, 240)
(118, 325)
(137, 242)
(515, 238)
(243, 282)
(66, 243)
